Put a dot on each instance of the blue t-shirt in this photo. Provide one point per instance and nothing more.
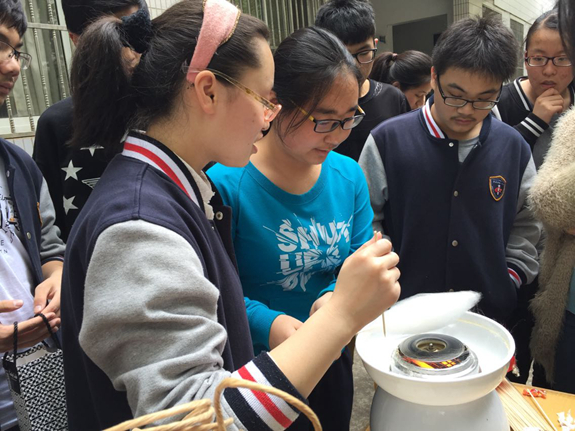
(289, 247)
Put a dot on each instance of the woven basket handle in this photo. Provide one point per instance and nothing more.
(232, 382)
(200, 412)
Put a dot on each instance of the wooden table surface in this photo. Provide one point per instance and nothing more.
(555, 402)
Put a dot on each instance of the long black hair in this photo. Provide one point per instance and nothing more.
(410, 69)
(108, 99)
(307, 63)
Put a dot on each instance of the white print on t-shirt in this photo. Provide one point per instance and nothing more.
(8, 220)
(16, 279)
(308, 250)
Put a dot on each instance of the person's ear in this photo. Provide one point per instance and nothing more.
(433, 81)
(396, 84)
(274, 98)
(375, 42)
(206, 90)
(74, 37)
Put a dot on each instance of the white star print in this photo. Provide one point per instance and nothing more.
(93, 149)
(71, 171)
(68, 204)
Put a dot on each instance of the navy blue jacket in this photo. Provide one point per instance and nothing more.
(35, 210)
(448, 221)
(132, 190)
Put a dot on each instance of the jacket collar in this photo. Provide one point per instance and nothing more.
(434, 131)
(156, 154)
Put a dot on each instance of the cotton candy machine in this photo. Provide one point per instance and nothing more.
(439, 381)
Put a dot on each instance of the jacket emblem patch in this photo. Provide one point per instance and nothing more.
(497, 187)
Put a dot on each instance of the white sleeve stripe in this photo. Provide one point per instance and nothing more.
(534, 124)
(530, 129)
(281, 404)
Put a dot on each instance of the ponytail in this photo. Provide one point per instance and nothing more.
(100, 85)
(410, 69)
(381, 70)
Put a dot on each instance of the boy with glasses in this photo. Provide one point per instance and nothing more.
(31, 253)
(72, 173)
(448, 182)
(353, 22)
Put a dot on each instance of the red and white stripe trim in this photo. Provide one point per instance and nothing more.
(275, 412)
(149, 153)
(432, 126)
(515, 277)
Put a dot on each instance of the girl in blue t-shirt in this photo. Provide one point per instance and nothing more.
(300, 209)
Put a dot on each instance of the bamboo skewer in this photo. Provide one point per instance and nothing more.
(376, 237)
(520, 413)
(541, 410)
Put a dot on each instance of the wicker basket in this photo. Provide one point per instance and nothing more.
(200, 414)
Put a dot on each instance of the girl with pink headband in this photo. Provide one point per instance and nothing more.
(152, 305)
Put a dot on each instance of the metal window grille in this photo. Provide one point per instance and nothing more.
(47, 80)
(517, 29)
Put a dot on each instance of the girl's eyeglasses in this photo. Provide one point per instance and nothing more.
(271, 110)
(326, 126)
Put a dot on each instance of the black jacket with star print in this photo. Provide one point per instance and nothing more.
(71, 174)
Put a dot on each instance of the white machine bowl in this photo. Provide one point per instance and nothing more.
(491, 342)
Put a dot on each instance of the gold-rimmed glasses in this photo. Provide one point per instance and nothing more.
(271, 110)
(326, 126)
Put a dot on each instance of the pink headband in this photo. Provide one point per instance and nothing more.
(218, 25)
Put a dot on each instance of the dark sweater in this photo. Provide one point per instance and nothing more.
(71, 174)
(381, 102)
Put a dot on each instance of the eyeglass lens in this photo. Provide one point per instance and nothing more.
(7, 52)
(478, 104)
(365, 56)
(329, 126)
(542, 61)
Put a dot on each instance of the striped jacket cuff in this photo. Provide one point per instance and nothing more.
(516, 275)
(258, 410)
(532, 127)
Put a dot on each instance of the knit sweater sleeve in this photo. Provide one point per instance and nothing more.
(521, 251)
(150, 323)
(552, 196)
(372, 165)
(51, 246)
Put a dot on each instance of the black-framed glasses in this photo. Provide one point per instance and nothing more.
(458, 102)
(365, 56)
(8, 52)
(326, 126)
(541, 60)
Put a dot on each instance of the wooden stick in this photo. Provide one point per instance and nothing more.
(541, 410)
(376, 237)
